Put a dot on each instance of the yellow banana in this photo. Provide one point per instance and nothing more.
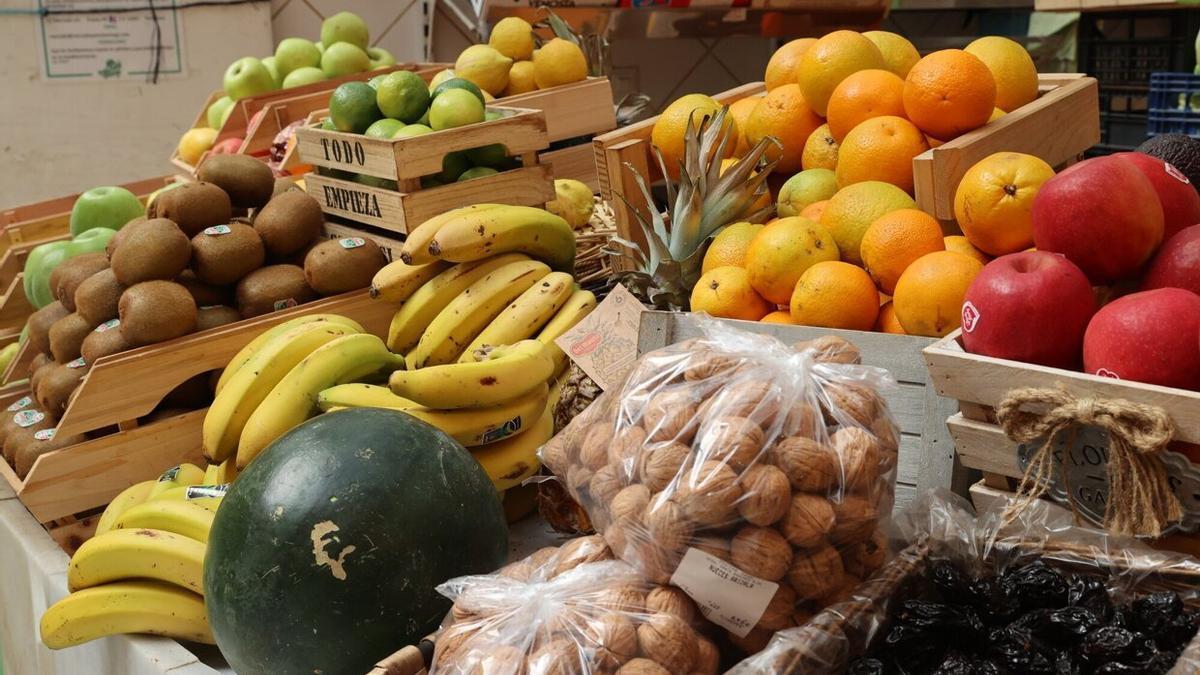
(481, 426)
(416, 243)
(398, 280)
(580, 304)
(246, 390)
(505, 374)
(126, 607)
(512, 460)
(358, 395)
(468, 314)
(528, 313)
(177, 476)
(419, 310)
(266, 336)
(207, 496)
(185, 518)
(130, 497)
(525, 229)
(226, 472)
(294, 399)
(210, 474)
(138, 554)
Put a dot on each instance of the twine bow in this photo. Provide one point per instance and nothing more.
(1140, 499)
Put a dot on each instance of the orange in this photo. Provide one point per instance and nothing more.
(729, 246)
(996, 114)
(930, 293)
(897, 239)
(959, 244)
(949, 93)
(861, 96)
(778, 316)
(814, 210)
(820, 150)
(933, 142)
(740, 110)
(832, 59)
(764, 199)
(786, 115)
(785, 63)
(835, 295)
(852, 210)
(780, 253)
(670, 127)
(994, 201)
(726, 292)
(899, 55)
(881, 148)
(887, 323)
(1012, 68)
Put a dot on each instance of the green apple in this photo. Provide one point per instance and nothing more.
(216, 112)
(109, 207)
(269, 62)
(302, 76)
(343, 58)
(247, 77)
(380, 58)
(294, 53)
(345, 27)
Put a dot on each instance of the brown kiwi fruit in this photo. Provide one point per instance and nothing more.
(56, 386)
(216, 315)
(283, 184)
(20, 436)
(40, 361)
(39, 325)
(111, 246)
(223, 255)
(155, 249)
(7, 421)
(97, 296)
(248, 182)
(289, 222)
(204, 294)
(41, 442)
(341, 265)
(270, 288)
(298, 257)
(73, 272)
(156, 311)
(100, 343)
(66, 337)
(193, 207)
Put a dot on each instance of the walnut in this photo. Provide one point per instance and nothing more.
(858, 453)
(766, 494)
(606, 483)
(851, 401)
(706, 364)
(714, 546)
(557, 454)
(780, 611)
(854, 521)
(667, 524)
(642, 667)
(517, 571)
(613, 640)
(709, 493)
(668, 641)
(671, 600)
(630, 501)
(810, 466)
(754, 642)
(864, 558)
(671, 415)
(808, 520)
(761, 551)
(579, 551)
(708, 658)
(579, 477)
(593, 450)
(497, 659)
(886, 433)
(453, 643)
(737, 441)
(830, 349)
(816, 572)
(559, 656)
(542, 557)
(626, 449)
(662, 462)
(623, 598)
(756, 399)
(461, 613)
(653, 561)
(619, 533)
(802, 420)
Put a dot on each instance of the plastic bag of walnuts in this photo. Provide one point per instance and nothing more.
(752, 474)
(572, 609)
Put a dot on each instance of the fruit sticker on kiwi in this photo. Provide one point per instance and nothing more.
(44, 434)
(28, 418)
(107, 325)
(217, 230)
(77, 363)
(203, 491)
(170, 474)
(1175, 173)
(352, 242)
(20, 404)
(285, 304)
(725, 594)
(970, 317)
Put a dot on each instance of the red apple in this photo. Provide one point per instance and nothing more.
(1103, 214)
(1177, 264)
(1151, 336)
(1031, 306)
(1179, 199)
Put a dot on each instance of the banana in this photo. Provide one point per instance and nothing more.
(185, 518)
(226, 472)
(529, 312)
(358, 395)
(471, 311)
(480, 426)
(506, 373)
(138, 554)
(126, 607)
(416, 243)
(232, 408)
(177, 476)
(207, 496)
(580, 304)
(210, 474)
(479, 235)
(423, 306)
(130, 497)
(398, 280)
(512, 460)
(266, 336)
(294, 399)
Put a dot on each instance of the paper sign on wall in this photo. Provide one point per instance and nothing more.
(77, 43)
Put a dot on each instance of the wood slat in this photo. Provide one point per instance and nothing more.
(984, 446)
(14, 306)
(578, 109)
(574, 162)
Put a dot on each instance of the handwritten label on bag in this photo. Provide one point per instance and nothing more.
(352, 242)
(726, 595)
(20, 404)
(217, 230)
(44, 434)
(107, 325)
(28, 418)
(605, 344)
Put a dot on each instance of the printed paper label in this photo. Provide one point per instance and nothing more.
(202, 491)
(108, 325)
(77, 363)
(20, 404)
(285, 304)
(604, 345)
(217, 230)
(352, 242)
(28, 418)
(726, 595)
(970, 317)
(44, 434)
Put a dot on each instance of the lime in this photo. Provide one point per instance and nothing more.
(453, 166)
(384, 128)
(477, 172)
(374, 82)
(453, 108)
(459, 83)
(489, 155)
(441, 77)
(327, 124)
(373, 181)
(412, 130)
(403, 96)
(425, 119)
(352, 107)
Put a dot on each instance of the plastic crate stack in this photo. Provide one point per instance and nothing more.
(1174, 104)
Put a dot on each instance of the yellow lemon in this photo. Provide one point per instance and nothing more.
(195, 143)
(520, 79)
(558, 62)
(899, 55)
(513, 37)
(484, 66)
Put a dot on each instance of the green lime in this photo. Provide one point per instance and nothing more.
(489, 155)
(454, 108)
(403, 96)
(430, 182)
(458, 83)
(374, 81)
(424, 121)
(440, 77)
(384, 128)
(327, 124)
(453, 166)
(352, 107)
(410, 130)
(373, 181)
(477, 172)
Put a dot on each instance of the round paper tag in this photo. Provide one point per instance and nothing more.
(217, 230)
(20, 404)
(108, 325)
(44, 434)
(352, 242)
(28, 418)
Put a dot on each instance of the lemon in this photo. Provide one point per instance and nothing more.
(558, 62)
(513, 37)
(572, 202)
(484, 66)
(195, 143)
(520, 79)
(441, 77)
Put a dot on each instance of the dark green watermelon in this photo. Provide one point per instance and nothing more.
(324, 555)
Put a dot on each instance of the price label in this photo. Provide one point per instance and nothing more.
(285, 304)
(725, 594)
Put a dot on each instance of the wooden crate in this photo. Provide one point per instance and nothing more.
(405, 160)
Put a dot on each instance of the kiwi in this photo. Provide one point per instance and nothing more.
(39, 325)
(40, 361)
(73, 272)
(193, 207)
(56, 386)
(96, 298)
(204, 294)
(66, 337)
(216, 315)
(288, 222)
(19, 436)
(248, 181)
(9, 416)
(223, 255)
(155, 249)
(41, 442)
(341, 265)
(284, 184)
(111, 247)
(270, 288)
(298, 257)
(100, 343)
(156, 311)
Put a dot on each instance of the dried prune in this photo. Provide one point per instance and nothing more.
(1035, 586)
(962, 622)
(1066, 664)
(959, 663)
(994, 605)
(1107, 644)
(1085, 591)
(1177, 632)
(1069, 624)
(867, 667)
(1152, 613)
(1118, 668)
(1015, 649)
(914, 649)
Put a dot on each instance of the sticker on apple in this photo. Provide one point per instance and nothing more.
(1176, 173)
(970, 316)
(1105, 372)
(217, 230)
(352, 242)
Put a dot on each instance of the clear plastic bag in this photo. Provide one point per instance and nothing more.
(751, 474)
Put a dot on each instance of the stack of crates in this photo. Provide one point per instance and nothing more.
(1174, 104)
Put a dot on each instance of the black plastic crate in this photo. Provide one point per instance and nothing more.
(1174, 104)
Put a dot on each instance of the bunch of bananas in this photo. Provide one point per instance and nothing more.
(143, 571)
